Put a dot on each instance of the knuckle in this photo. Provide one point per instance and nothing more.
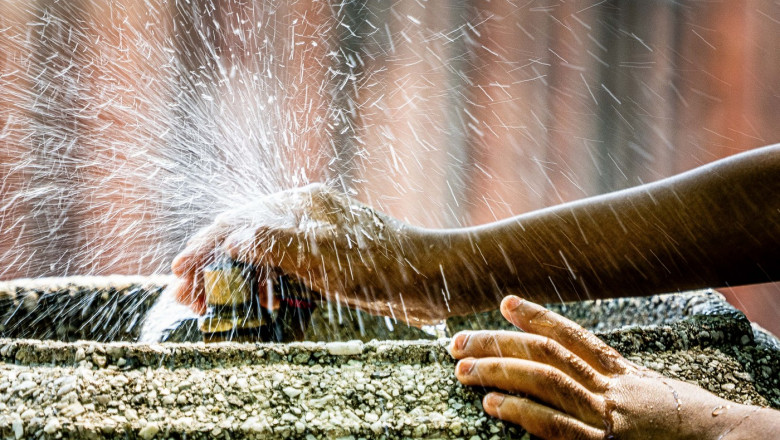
(538, 315)
(573, 334)
(551, 376)
(548, 348)
(317, 187)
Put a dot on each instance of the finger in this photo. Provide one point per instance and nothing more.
(182, 263)
(193, 258)
(542, 382)
(534, 318)
(188, 261)
(537, 419)
(199, 306)
(182, 290)
(530, 347)
(190, 291)
(266, 296)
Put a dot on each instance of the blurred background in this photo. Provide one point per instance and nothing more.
(127, 125)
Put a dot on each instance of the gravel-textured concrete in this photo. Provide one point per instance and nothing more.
(391, 389)
(307, 390)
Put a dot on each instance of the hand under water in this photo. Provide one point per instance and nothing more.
(335, 245)
(559, 381)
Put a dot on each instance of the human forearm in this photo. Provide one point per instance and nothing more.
(713, 226)
(716, 225)
(748, 422)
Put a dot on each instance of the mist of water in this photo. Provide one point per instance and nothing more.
(127, 126)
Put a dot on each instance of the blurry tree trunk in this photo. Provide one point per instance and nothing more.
(636, 105)
(54, 98)
(713, 117)
(121, 216)
(15, 249)
(507, 134)
(406, 114)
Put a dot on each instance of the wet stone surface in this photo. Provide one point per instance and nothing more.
(70, 309)
(347, 389)
(113, 309)
(303, 390)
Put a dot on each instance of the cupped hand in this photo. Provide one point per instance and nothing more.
(559, 381)
(337, 246)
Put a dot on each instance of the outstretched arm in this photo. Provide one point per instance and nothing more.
(714, 226)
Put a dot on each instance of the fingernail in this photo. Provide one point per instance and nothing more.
(512, 302)
(494, 400)
(465, 366)
(460, 341)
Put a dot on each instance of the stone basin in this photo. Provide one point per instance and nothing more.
(84, 377)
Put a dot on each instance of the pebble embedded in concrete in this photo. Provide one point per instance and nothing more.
(148, 431)
(344, 348)
(292, 392)
(17, 426)
(52, 426)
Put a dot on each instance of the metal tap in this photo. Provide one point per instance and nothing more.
(234, 311)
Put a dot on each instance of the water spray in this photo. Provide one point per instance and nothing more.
(234, 310)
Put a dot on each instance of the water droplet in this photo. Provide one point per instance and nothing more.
(542, 322)
(720, 409)
(677, 400)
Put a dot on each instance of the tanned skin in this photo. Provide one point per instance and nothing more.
(717, 225)
(575, 387)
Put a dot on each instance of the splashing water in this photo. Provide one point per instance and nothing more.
(163, 317)
(118, 147)
(127, 126)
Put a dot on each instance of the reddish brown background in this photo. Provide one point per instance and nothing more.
(461, 112)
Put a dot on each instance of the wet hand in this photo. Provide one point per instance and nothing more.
(559, 381)
(334, 244)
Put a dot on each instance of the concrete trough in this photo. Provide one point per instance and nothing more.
(58, 387)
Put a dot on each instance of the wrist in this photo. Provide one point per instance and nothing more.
(457, 271)
(430, 254)
(433, 269)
